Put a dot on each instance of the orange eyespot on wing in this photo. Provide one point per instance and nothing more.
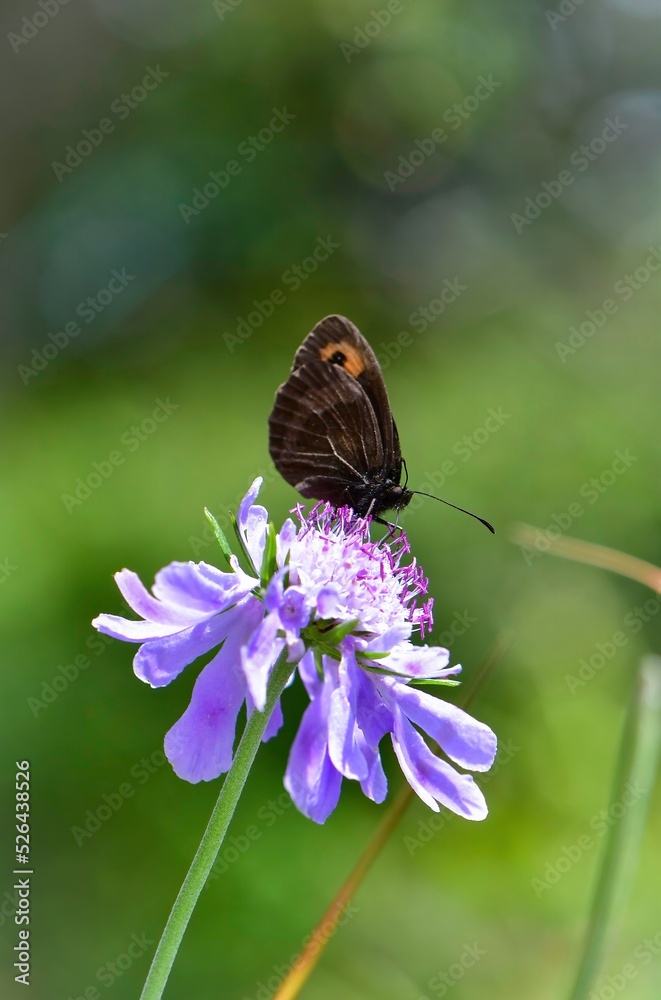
(345, 355)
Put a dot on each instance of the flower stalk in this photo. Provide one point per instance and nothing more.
(214, 835)
(307, 960)
(589, 554)
(637, 764)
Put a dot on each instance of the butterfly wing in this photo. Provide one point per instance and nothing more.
(336, 337)
(325, 438)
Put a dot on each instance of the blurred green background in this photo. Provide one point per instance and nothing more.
(517, 90)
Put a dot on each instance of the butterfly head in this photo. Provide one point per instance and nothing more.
(379, 498)
(399, 497)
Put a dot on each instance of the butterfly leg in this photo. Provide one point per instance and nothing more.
(392, 528)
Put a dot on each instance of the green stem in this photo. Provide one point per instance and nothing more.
(637, 764)
(213, 836)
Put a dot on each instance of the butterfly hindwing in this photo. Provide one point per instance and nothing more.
(324, 437)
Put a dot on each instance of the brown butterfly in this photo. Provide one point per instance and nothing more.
(332, 432)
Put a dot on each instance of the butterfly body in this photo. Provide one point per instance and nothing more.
(331, 432)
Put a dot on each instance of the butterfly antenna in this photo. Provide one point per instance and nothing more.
(462, 509)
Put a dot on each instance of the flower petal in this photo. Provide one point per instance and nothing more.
(328, 601)
(375, 785)
(295, 651)
(294, 612)
(311, 780)
(275, 591)
(160, 661)
(274, 724)
(418, 661)
(258, 658)
(253, 524)
(343, 748)
(384, 643)
(284, 540)
(373, 716)
(186, 594)
(307, 669)
(433, 779)
(200, 745)
(133, 631)
(138, 597)
(199, 588)
(468, 742)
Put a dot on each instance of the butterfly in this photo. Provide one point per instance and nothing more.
(332, 435)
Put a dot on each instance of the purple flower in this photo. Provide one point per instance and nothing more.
(343, 608)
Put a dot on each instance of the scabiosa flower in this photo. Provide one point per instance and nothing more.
(342, 609)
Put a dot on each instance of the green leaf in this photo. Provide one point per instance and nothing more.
(414, 681)
(328, 651)
(339, 632)
(269, 563)
(220, 535)
(384, 671)
(235, 524)
(439, 681)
